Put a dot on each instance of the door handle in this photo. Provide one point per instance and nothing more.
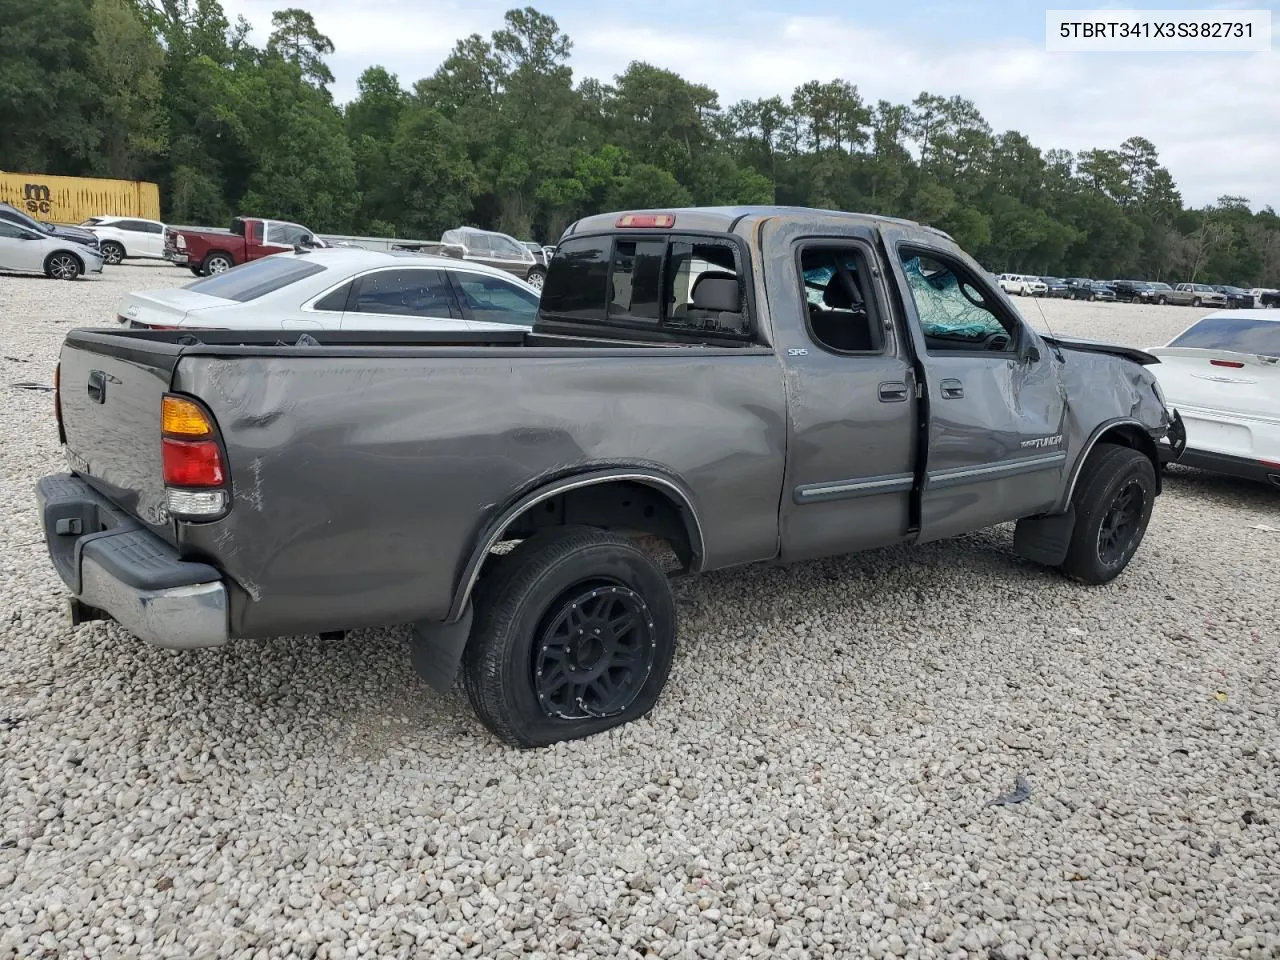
(97, 386)
(952, 389)
(894, 391)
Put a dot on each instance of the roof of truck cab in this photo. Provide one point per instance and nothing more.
(724, 219)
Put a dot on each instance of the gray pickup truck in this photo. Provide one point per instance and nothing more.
(741, 385)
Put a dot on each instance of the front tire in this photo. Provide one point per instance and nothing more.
(537, 277)
(1197, 302)
(216, 263)
(574, 634)
(61, 265)
(1113, 499)
(1162, 301)
(112, 252)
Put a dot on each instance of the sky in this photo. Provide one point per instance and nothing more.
(1214, 117)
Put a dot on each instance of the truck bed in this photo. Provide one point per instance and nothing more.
(373, 446)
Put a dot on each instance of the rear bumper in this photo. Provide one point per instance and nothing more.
(174, 256)
(1232, 466)
(113, 564)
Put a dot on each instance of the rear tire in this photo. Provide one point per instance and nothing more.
(1162, 301)
(216, 263)
(532, 674)
(1113, 499)
(112, 252)
(1197, 302)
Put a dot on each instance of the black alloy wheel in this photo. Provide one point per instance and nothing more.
(595, 652)
(1121, 523)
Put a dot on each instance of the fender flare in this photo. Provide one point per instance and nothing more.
(1148, 447)
(491, 534)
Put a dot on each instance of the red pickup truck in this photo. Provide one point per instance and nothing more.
(215, 251)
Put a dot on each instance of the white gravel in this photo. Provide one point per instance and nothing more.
(813, 783)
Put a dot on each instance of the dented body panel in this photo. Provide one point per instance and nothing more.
(368, 479)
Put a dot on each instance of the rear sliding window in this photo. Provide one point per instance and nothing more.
(644, 282)
(1237, 334)
(256, 278)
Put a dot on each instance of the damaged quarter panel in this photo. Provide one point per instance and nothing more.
(362, 484)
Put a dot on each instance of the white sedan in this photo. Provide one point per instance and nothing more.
(343, 288)
(29, 251)
(1222, 374)
(127, 237)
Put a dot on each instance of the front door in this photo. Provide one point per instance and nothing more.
(851, 394)
(996, 400)
(20, 248)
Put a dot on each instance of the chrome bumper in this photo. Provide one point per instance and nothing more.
(116, 568)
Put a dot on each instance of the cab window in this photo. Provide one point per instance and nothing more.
(838, 300)
(955, 313)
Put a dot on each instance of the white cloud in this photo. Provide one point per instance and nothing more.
(1213, 117)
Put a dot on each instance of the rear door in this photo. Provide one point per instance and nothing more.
(110, 396)
(996, 401)
(853, 433)
(402, 298)
(150, 238)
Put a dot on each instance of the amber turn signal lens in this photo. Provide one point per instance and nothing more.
(182, 418)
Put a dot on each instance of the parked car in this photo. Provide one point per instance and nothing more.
(340, 289)
(1202, 295)
(1162, 293)
(828, 383)
(1081, 288)
(207, 252)
(24, 250)
(1237, 297)
(1265, 297)
(1054, 286)
(11, 214)
(122, 238)
(495, 250)
(1222, 374)
(1022, 285)
(538, 250)
(1129, 291)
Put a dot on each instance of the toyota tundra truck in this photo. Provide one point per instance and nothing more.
(207, 252)
(703, 388)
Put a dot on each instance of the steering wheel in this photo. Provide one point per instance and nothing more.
(996, 341)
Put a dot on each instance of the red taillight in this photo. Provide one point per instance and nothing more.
(195, 475)
(190, 463)
(647, 220)
(1234, 364)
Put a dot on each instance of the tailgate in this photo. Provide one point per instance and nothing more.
(110, 390)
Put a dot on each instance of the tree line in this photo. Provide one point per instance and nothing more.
(501, 136)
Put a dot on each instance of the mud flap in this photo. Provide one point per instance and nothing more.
(436, 649)
(1045, 539)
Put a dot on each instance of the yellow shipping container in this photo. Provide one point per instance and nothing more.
(72, 200)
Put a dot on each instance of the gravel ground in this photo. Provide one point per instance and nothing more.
(815, 780)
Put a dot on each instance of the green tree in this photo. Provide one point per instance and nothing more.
(294, 36)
